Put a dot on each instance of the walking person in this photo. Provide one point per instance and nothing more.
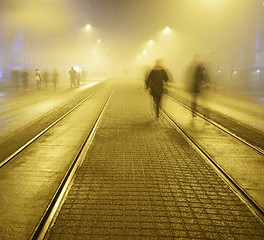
(46, 78)
(24, 77)
(38, 79)
(73, 76)
(55, 76)
(198, 81)
(155, 82)
(15, 78)
(78, 79)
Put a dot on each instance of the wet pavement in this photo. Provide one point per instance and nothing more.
(141, 180)
(30, 180)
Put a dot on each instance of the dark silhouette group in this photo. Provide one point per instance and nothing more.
(75, 78)
(197, 79)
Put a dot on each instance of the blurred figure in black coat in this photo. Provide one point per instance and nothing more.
(15, 77)
(155, 82)
(45, 78)
(198, 80)
(55, 76)
(24, 77)
(73, 77)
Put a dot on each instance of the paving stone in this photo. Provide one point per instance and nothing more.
(141, 180)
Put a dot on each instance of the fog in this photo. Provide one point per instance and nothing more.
(127, 36)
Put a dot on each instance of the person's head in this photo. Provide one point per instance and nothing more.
(158, 64)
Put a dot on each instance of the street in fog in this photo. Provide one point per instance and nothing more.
(104, 39)
(124, 38)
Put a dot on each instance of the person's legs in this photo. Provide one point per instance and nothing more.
(194, 103)
(157, 104)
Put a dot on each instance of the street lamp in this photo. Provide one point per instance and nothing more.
(88, 27)
(166, 30)
(150, 42)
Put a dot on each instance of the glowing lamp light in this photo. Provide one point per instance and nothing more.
(88, 27)
(167, 30)
(150, 42)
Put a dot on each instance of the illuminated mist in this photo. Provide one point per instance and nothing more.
(127, 36)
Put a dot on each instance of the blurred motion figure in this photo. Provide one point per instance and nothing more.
(46, 78)
(198, 80)
(55, 75)
(73, 77)
(38, 79)
(78, 79)
(155, 82)
(24, 77)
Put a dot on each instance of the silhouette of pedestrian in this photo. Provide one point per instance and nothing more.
(73, 75)
(38, 79)
(78, 79)
(24, 77)
(55, 76)
(155, 82)
(198, 80)
(46, 78)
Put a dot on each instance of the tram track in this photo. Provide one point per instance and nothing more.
(223, 128)
(47, 218)
(40, 234)
(246, 132)
(13, 155)
(53, 208)
(25, 163)
(220, 169)
(19, 140)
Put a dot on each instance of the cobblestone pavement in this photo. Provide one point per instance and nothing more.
(141, 180)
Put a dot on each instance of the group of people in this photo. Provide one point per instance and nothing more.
(41, 79)
(17, 75)
(197, 77)
(46, 77)
(75, 78)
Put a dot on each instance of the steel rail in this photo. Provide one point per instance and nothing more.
(261, 151)
(241, 193)
(22, 148)
(48, 218)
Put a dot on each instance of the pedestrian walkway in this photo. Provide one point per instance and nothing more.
(141, 180)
